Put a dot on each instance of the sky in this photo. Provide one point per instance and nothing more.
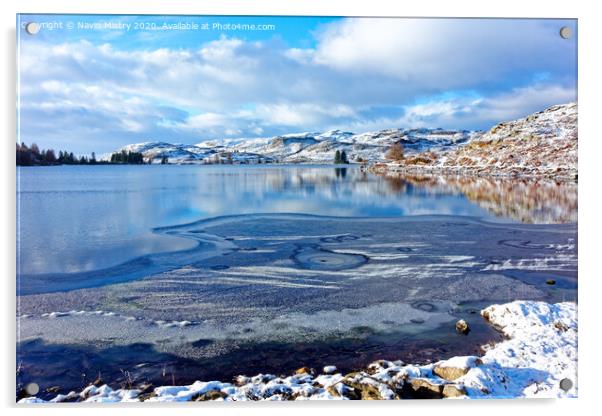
(95, 83)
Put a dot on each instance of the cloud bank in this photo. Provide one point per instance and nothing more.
(361, 74)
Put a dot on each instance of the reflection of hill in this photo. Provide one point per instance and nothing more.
(528, 200)
(525, 200)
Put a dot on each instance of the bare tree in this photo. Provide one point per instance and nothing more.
(395, 152)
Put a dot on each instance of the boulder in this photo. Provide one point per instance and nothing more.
(357, 388)
(241, 380)
(462, 327)
(147, 390)
(329, 369)
(370, 392)
(210, 395)
(53, 389)
(421, 388)
(304, 370)
(453, 390)
(450, 373)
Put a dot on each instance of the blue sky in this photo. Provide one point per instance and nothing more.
(93, 88)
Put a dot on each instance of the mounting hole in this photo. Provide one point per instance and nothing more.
(32, 389)
(566, 32)
(32, 28)
(566, 384)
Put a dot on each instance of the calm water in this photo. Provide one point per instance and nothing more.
(82, 218)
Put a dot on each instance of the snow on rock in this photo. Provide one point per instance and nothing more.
(329, 369)
(539, 352)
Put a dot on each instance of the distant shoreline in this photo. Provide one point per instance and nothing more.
(336, 165)
(387, 169)
(563, 174)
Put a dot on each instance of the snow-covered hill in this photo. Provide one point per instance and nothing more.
(304, 147)
(543, 143)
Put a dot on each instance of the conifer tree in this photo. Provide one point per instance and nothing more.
(344, 157)
(50, 157)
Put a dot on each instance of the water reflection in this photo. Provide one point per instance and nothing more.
(340, 172)
(528, 200)
(76, 218)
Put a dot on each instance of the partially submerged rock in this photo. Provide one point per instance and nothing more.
(462, 327)
(304, 370)
(53, 389)
(329, 369)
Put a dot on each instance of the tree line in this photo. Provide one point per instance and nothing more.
(129, 158)
(34, 156)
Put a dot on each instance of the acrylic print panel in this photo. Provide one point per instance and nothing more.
(295, 208)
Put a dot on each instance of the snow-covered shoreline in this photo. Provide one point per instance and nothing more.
(539, 352)
(393, 169)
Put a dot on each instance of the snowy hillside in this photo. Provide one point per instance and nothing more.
(154, 152)
(305, 147)
(544, 143)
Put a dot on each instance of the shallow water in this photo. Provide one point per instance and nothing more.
(340, 267)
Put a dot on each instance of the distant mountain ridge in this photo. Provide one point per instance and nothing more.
(543, 142)
(306, 147)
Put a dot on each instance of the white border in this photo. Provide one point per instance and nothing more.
(590, 153)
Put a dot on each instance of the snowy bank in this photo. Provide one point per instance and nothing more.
(539, 352)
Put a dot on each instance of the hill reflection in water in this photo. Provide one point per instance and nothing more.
(528, 200)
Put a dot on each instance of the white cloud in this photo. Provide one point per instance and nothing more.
(461, 111)
(302, 114)
(442, 53)
(525, 100)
